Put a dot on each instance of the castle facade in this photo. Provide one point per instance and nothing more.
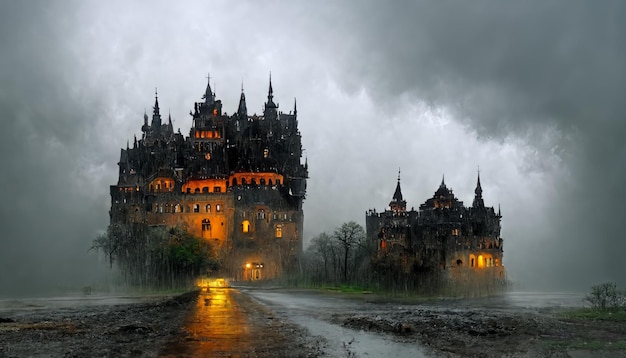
(461, 244)
(235, 180)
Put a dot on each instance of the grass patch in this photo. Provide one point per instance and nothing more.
(588, 345)
(614, 315)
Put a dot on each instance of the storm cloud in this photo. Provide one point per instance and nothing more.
(532, 92)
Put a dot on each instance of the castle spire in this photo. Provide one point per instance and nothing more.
(443, 181)
(270, 97)
(478, 198)
(208, 96)
(242, 110)
(155, 109)
(295, 107)
(397, 204)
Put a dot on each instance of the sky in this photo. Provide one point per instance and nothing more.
(530, 92)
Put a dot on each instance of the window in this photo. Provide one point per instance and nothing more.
(260, 214)
(218, 207)
(196, 208)
(217, 189)
(161, 209)
(245, 226)
(455, 232)
(279, 231)
(177, 208)
(207, 208)
(266, 153)
(206, 225)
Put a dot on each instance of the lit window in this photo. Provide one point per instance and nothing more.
(207, 208)
(196, 208)
(218, 208)
(245, 226)
(266, 153)
(279, 231)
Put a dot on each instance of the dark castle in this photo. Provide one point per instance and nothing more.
(442, 237)
(236, 181)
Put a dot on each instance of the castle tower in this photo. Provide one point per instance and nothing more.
(478, 197)
(397, 204)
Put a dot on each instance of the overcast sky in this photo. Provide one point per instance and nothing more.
(531, 92)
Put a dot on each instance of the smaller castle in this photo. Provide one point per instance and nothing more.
(443, 238)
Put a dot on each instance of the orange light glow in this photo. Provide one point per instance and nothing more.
(248, 265)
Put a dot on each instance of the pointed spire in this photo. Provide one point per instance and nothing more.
(295, 107)
(443, 181)
(145, 117)
(135, 142)
(397, 195)
(155, 109)
(208, 93)
(479, 190)
(270, 96)
(478, 198)
(242, 110)
(499, 212)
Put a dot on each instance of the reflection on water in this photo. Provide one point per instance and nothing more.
(216, 328)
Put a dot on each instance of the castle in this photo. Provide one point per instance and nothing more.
(443, 237)
(236, 181)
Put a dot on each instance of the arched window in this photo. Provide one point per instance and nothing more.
(260, 214)
(218, 207)
(459, 263)
(245, 226)
(196, 208)
(234, 181)
(243, 181)
(177, 208)
(279, 231)
(206, 225)
(207, 208)
(262, 181)
(481, 261)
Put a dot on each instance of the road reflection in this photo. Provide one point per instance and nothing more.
(216, 328)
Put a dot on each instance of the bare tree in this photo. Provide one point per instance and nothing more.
(349, 236)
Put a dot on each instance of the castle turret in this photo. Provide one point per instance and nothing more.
(478, 197)
(397, 204)
(209, 96)
(270, 106)
(156, 115)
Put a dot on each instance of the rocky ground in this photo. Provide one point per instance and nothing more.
(229, 323)
(484, 332)
(156, 329)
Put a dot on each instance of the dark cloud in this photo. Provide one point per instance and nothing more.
(518, 69)
(530, 91)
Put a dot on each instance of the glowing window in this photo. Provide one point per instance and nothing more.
(207, 208)
(266, 153)
(218, 208)
(177, 208)
(279, 231)
(206, 225)
(481, 261)
(245, 226)
(196, 208)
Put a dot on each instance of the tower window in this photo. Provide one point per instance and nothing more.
(218, 207)
(245, 226)
(196, 208)
(279, 231)
(207, 208)
(206, 225)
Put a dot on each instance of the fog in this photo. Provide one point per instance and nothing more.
(531, 92)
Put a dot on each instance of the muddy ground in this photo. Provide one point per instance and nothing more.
(241, 326)
(486, 332)
(164, 328)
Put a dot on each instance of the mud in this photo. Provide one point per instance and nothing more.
(253, 322)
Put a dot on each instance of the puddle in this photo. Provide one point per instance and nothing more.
(345, 342)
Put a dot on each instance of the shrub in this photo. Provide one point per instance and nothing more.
(605, 297)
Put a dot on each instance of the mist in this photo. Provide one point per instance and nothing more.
(532, 93)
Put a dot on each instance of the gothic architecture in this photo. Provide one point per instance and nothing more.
(443, 236)
(236, 180)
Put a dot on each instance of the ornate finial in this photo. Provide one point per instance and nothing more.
(156, 92)
(398, 174)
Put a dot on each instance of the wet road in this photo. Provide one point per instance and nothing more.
(217, 327)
